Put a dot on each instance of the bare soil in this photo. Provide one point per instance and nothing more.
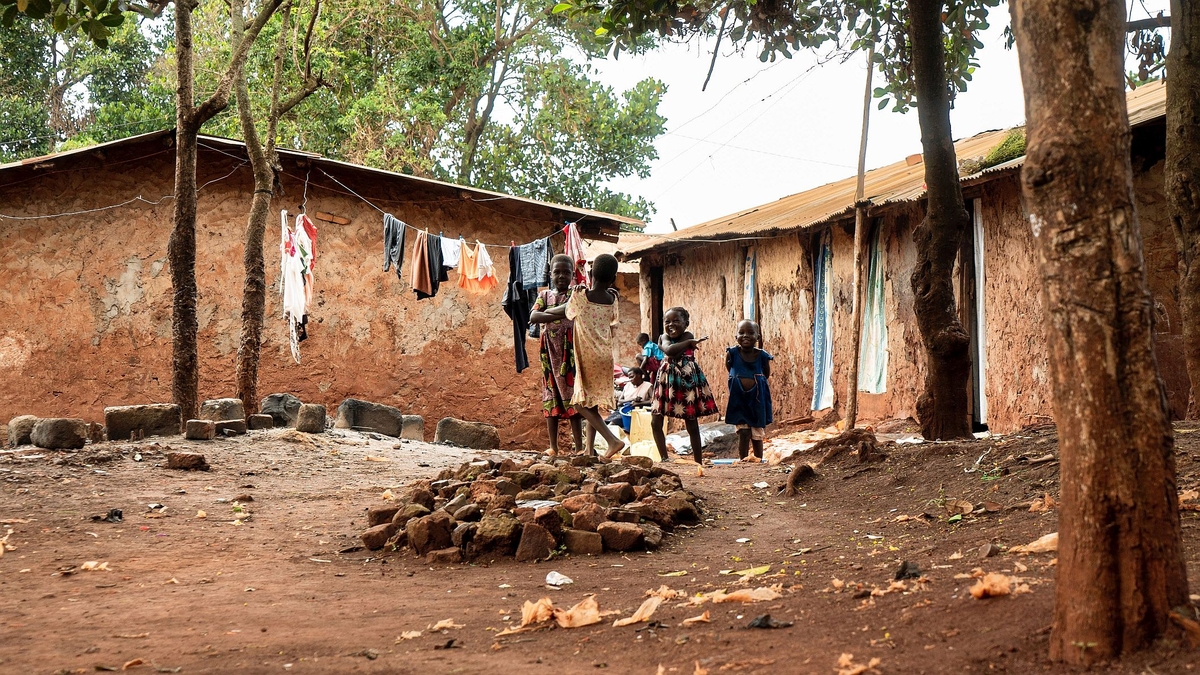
(265, 589)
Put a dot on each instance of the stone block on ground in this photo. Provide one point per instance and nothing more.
(549, 518)
(651, 535)
(414, 428)
(186, 461)
(375, 537)
(577, 502)
(621, 536)
(589, 518)
(623, 516)
(19, 430)
(408, 512)
(311, 418)
(283, 408)
(617, 493)
(468, 513)
(200, 430)
(367, 416)
(464, 534)
(444, 556)
(231, 428)
(260, 421)
(474, 435)
(423, 497)
(429, 533)
(59, 433)
(497, 533)
(222, 409)
(536, 543)
(378, 515)
(580, 542)
(155, 419)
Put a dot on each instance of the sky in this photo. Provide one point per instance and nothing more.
(764, 131)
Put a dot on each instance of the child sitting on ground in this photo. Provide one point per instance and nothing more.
(558, 353)
(680, 389)
(749, 396)
(594, 311)
(651, 357)
(636, 391)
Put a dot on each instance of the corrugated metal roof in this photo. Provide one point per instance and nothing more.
(891, 184)
(321, 160)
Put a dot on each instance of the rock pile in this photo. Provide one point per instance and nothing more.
(529, 508)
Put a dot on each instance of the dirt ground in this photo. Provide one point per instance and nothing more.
(261, 587)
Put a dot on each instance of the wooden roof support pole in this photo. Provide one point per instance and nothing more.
(860, 225)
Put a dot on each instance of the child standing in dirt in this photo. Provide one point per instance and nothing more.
(558, 353)
(594, 313)
(680, 389)
(749, 396)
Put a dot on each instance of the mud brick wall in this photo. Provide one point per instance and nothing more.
(85, 301)
(708, 281)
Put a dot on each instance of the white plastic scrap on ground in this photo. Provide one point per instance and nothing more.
(558, 579)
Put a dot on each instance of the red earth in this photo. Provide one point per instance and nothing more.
(265, 589)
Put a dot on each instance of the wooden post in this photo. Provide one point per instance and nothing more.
(860, 225)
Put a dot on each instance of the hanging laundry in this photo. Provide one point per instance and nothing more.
(394, 230)
(451, 252)
(437, 272)
(306, 250)
(310, 230)
(291, 284)
(421, 279)
(535, 264)
(517, 303)
(574, 249)
(487, 270)
(475, 272)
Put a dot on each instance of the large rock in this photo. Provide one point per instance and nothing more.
(414, 428)
(464, 534)
(368, 416)
(311, 418)
(617, 493)
(621, 536)
(444, 556)
(589, 518)
(375, 537)
(260, 421)
(652, 535)
(231, 428)
(423, 497)
(583, 543)
(222, 409)
(155, 419)
(409, 512)
(378, 515)
(59, 433)
(19, 430)
(536, 543)
(186, 461)
(200, 430)
(549, 518)
(284, 408)
(474, 435)
(578, 502)
(429, 533)
(497, 533)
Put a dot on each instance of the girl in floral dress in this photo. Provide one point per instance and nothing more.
(558, 353)
(680, 390)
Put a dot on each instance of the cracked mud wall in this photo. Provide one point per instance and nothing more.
(85, 301)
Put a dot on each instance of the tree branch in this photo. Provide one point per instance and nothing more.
(219, 99)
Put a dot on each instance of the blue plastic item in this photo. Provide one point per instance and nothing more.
(626, 416)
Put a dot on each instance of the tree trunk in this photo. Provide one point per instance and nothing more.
(181, 249)
(1120, 566)
(942, 408)
(1182, 172)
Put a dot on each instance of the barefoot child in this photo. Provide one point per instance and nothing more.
(680, 390)
(749, 396)
(558, 353)
(594, 311)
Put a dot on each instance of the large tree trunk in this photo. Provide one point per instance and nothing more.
(942, 408)
(1182, 174)
(181, 249)
(1120, 566)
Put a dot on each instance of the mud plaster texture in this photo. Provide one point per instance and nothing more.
(85, 301)
(708, 281)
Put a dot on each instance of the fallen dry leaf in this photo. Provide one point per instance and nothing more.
(532, 613)
(992, 585)
(133, 636)
(132, 664)
(585, 613)
(664, 593)
(387, 496)
(703, 618)
(201, 514)
(444, 624)
(759, 594)
(1044, 503)
(1044, 544)
(699, 670)
(409, 635)
(956, 555)
(93, 566)
(847, 666)
(643, 613)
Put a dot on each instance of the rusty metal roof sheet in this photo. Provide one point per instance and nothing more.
(892, 184)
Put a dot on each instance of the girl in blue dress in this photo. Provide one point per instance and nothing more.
(749, 395)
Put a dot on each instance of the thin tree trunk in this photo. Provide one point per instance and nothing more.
(181, 249)
(1120, 566)
(942, 407)
(1182, 173)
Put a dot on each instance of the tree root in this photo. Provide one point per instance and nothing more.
(860, 441)
(800, 473)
